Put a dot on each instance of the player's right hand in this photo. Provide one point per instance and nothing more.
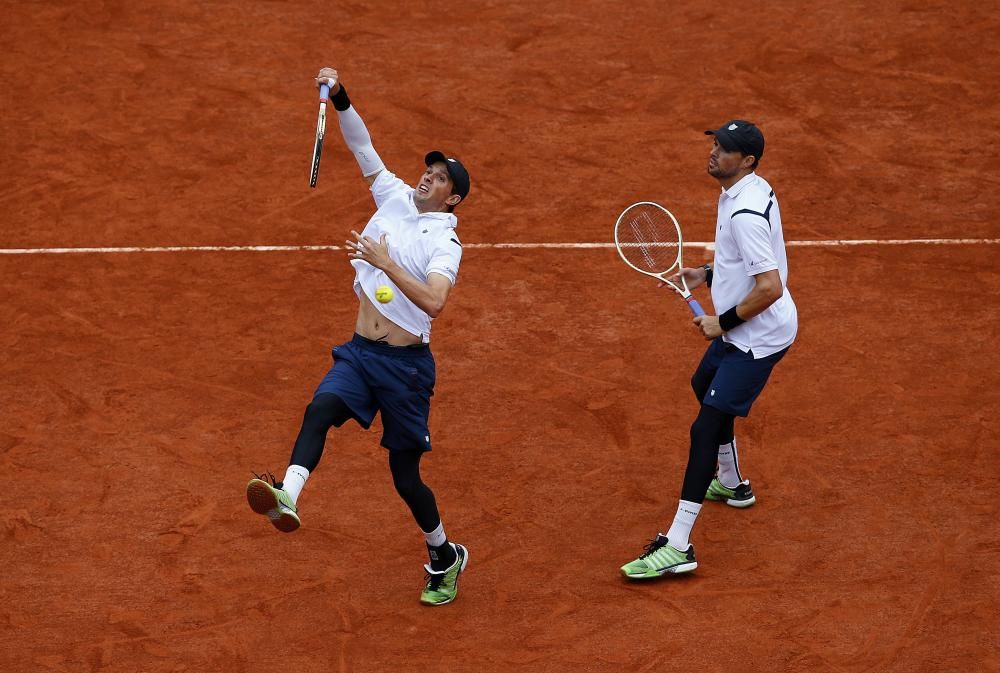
(329, 77)
(708, 325)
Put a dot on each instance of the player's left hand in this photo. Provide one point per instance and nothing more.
(368, 249)
(694, 277)
(708, 325)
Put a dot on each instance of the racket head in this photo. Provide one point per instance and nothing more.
(648, 239)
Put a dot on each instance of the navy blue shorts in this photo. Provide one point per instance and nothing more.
(729, 379)
(370, 376)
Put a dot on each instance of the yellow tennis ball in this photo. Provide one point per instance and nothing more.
(384, 294)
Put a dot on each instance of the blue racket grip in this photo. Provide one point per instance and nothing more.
(695, 306)
(324, 93)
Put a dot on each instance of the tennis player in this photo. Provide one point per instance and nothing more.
(409, 245)
(758, 324)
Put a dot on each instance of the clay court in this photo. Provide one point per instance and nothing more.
(144, 380)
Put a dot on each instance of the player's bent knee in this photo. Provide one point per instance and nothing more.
(405, 468)
(327, 409)
(707, 426)
(408, 488)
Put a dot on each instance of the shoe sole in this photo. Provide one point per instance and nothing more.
(672, 570)
(465, 562)
(262, 500)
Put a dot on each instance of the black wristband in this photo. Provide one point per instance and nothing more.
(340, 100)
(708, 274)
(729, 320)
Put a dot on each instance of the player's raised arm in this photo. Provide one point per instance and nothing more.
(355, 133)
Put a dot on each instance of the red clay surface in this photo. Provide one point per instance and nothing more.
(140, 390)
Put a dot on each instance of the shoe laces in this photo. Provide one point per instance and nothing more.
(433, 579)
(651, 548)
(267, 476)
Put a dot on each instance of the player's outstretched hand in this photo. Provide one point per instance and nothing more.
(368, 249)
(330, 77)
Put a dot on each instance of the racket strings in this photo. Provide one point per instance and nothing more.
(648, 239)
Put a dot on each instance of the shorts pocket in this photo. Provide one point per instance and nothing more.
(420, 380)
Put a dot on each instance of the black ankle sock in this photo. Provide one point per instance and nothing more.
(442, 557)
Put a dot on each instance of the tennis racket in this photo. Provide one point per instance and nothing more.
(649, 239)
(324, 98)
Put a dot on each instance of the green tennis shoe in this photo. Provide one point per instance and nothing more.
(442, 587)
(741, 496)
(660, 559)
(274, 503)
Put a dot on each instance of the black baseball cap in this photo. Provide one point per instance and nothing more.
(740, 135)
(459, 176)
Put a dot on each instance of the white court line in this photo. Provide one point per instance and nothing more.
(295, 248)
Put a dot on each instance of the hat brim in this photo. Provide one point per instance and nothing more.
(725, 139)
(435, 157)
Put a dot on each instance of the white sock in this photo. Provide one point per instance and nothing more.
(729, 465)
(294, 481)
(436, 537)
(680, 529)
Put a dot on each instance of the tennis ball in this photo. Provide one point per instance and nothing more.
(384, 294)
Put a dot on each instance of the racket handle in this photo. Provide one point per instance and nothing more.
(695, 306)
(324, 93)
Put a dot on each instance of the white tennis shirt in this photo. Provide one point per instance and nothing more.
(748, 241)
(421, 243)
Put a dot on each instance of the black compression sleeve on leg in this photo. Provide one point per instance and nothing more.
(323, 412)
(705, 433)
(727, 432)
(405, 468)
